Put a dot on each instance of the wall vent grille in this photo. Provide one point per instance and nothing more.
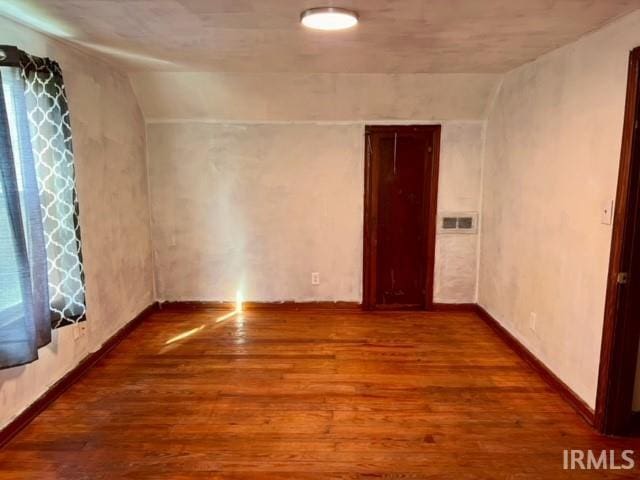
(460, 222)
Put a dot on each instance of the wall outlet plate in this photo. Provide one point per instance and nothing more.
(315, 278)
(606, 213)
(75, 330)
(79, 330)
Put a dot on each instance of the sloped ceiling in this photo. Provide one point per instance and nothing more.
(399, 36)
(251, 60)
(283, 97)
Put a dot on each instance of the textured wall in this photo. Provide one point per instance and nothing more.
(258, 207)
(458, 191)
(290, 97)
(552, 157)
(252, 141)
(109, 141)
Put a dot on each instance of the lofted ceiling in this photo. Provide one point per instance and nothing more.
(394, 36)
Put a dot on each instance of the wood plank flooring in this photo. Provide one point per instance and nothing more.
(307, 394)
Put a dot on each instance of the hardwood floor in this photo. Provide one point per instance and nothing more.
(307, 394)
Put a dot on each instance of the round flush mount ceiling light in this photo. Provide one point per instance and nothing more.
(329, 18)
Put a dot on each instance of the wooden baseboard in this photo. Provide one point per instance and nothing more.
(47, 398)
(290, 305)
(547, 375)
(454, 307)
(248, 306)
(635, 423)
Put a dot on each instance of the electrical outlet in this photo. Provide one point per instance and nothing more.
(606, 213)
(533, 319)
(79, 330)
(315, 278)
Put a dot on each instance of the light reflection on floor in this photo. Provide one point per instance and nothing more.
(193, 331)
(184, 335)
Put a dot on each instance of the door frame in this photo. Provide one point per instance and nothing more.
(620, 336)
(430, 192)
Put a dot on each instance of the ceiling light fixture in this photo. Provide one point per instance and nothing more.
(329, 18)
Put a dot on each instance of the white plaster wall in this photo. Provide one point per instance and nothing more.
(258, 207)
(286, 97)
(458, 191)
(552, 157)
(109, 143)
(222, 139)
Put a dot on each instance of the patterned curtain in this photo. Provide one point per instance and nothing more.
(50, 127)
(41, 273)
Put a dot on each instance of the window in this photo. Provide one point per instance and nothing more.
(41, 272)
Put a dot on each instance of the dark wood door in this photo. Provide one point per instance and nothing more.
(400, 206)
(621, 332)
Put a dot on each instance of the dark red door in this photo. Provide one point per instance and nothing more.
(401, 174)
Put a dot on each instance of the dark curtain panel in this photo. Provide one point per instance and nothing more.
(50, 125)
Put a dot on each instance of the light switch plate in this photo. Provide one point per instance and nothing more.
(75, 328)
(606, 214)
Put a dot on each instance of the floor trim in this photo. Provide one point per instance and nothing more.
(286, 305)
(579, 405)
(454, 307)
(290, 305)
(47, 398)
(635, 423)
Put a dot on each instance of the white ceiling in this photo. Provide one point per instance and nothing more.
(394, 36)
